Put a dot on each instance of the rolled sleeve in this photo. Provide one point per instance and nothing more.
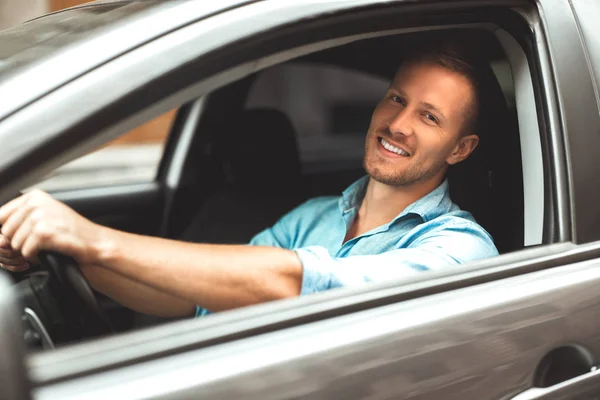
(323, 272)
(315, 277)
(437, 250)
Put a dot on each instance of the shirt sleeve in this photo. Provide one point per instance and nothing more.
(435, 250)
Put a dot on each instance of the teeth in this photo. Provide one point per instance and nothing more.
(393, 149)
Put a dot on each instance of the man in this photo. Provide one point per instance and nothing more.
(396, 222)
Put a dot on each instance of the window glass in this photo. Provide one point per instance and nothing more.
(132, 158)
(329, 107)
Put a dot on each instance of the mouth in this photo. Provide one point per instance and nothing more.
(390, 148)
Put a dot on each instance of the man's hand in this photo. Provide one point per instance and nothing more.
(10, 259)
(35, 221)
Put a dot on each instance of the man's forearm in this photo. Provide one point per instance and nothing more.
(136, 295)
(216, 277)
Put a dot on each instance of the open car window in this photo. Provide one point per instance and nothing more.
(230, 197)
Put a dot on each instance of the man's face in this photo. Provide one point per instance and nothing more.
(415, 130)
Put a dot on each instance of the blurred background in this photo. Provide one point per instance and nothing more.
(13, 12)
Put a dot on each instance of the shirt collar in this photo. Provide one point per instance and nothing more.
(428, 207)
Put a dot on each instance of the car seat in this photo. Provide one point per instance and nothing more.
(489, 184)
(261, 161)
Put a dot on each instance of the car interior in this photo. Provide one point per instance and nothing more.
(293, 131)
(275, 139)
(268, 149)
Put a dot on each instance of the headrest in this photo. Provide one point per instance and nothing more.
(470, 180)
(260, 146)
(489, 183)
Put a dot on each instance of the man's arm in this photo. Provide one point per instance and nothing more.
(221, 277)
(135, 295)
(218, 277)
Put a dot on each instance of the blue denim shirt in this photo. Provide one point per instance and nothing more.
(430, 234)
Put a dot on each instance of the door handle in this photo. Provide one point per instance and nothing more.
(586, 384)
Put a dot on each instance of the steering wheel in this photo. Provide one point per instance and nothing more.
(66, 273)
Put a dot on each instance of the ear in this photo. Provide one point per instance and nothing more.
(463, 149)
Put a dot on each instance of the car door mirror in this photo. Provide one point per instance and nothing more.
(14, 383)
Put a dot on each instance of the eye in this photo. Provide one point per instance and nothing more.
(398, 99)
(432, 118)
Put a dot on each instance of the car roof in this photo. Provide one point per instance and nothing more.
(40, 55)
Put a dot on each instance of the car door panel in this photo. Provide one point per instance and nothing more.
(223, 327)
(477, 342)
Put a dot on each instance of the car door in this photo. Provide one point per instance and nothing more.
(524, 335)
(15, 383)
(488, 330)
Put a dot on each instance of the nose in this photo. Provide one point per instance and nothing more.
(401, 123)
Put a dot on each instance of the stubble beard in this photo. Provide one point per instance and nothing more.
(412, 174)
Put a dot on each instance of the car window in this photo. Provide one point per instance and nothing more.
(330, 108)
(132, 158)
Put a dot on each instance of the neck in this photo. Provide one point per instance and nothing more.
(382, 203)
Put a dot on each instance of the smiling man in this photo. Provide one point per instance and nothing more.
(395, 222)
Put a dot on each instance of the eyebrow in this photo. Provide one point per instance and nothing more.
(428, 106)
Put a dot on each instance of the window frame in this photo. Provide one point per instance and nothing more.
(572, 86)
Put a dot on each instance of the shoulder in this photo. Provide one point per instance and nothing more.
(457, 231)
(455, 218)
(458, 221)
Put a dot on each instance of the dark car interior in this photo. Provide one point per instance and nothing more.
(251, 161)
(257, 174)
